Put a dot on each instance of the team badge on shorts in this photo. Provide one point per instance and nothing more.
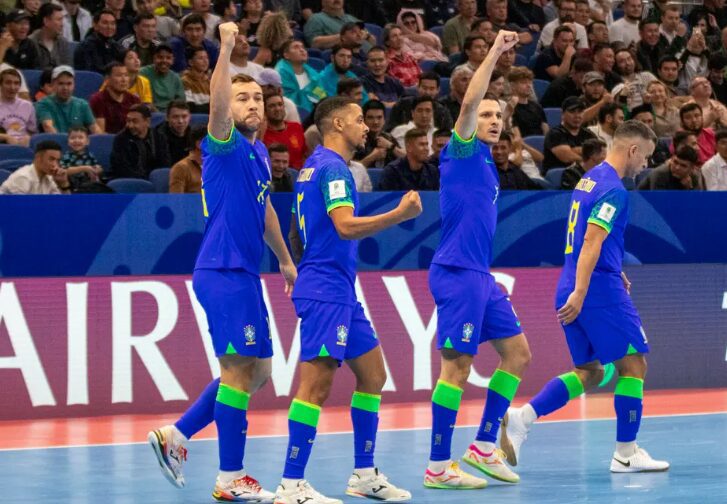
(467, 331)
(249, 334)
(341, 335)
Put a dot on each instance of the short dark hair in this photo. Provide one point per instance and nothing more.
(199, 132)
(429, 76)
(688, 108)
(720, 135)
(666, 59)
(48, 9)
(505, 137)
(582, 65)
(647, 21)
(442, 133)
(632, 128)
(686, 153)
(338, 47)
(641, 109)
(286, 45)
(141, 108)
(177, 104)
(347, 85)
(162, 48)
(193, 18)
(470, 39)
(591, 147)
(589, 28)
(192, 51)
(717, 62)
(376, 48)
(607, 110)
(97, 16)
(600, 47)
(143, 17)
(109, 68)
(220, 6)
(278, 147)
(680, 137)
(47, 145)
(422, 99)
(10, 71)
(413, 134)
(374, 105)
(77, 128)
(562, 29)
(327, 107)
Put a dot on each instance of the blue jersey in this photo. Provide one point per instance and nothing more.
(601, 199)
(235, 185)
(469, 186)
(327, 271)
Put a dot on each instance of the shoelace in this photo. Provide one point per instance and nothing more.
(248, 482)
(500, 453)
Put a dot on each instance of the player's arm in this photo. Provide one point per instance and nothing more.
(274, 238)
(220, 119)
(350, 227)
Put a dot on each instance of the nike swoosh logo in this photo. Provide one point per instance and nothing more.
(625, 464)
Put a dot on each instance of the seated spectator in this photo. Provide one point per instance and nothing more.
(175, 130)
(99, 48)
(167, 27)
(280, 131)
(458, 27)
(137, 149)
(668, 73)
(666, 115)
(570, 85)
(196, 82)
(527, 115)
(381, 148)
(347, 87)
(714, 170)
(186, 174)
(419, 43)
(281, 180)
(527, 14)
(604, 60)
(144, 39)
(338, 68)
(717, 64)
(428, 86)
(627, 30)
(61, 110)
(274, 31)
(672, 29)
(81, 165)
(635, 82)
(166, 85)
(124, 21)
(193, 36)
(43, 176)
(422, 118)
(527, 158)
(45, 87)
(301, 83)
(504, 66)
(439, 141)
(692, 121)
(458, 83)
(594, 96)
(651, 47)
(583, 14)
(379, 85)
(413, 171)
(352, 37)
(563, 143)
(20, 51)
(597, 33)
(566, 17)
(360, 176)
(511, 176)
(483, 26)
(239, 63)
(593, 153)
(271, 83)
(226, 10)
(139, 85)
(111, 105)
(77, 21)
(681, 172)
(323, 29)
(402, 66)
(17, 116)
(497, 14)
(497, 91)
(475, 49)
(53, 48)
(610, 117)
(247, 23)
(556, 60)
(715, 113)
(32, 7)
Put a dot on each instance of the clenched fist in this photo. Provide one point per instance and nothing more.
(505, 40)
(228, 32)
(410, 205)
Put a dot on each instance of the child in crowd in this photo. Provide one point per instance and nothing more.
(83, 167)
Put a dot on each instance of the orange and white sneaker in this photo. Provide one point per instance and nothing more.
(168, 445)
(453, 478)
(492, 464)
(245, 489)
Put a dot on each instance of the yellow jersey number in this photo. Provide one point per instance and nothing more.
(301, 217)
(572, 220)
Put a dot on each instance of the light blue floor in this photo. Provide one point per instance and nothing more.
(562, 463)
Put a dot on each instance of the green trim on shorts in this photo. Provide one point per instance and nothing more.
(448, 343)
(304, 412)
(631, 350)
(630, 387)
(366, 402)
(232, 397)
(447, 395)
(504, 383)
(230, 349)
(573, 383)
(323, 352)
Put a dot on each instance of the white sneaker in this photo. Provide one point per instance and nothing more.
(453, 478)
(170, 453)
(302, 493)
(640, 461)
(376, 487)
(513, 433)
(245, 489)
(491, 464)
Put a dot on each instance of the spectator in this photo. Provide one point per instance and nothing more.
(281, 179)
(193, 36)
(421, 44)
(17, 116)
(563, 143)
(566, 17)
(635, 82)
(692, 121)
(301, 83)
(651, 47)
(21, 52)
(271, 83)
(413, 171)
(139, 85)
(700, 23)
(528, 116)
(678, 173)
(527, 14)
(556, 60)
(645, 114)
(124, 23)
(497, 14)
(338, 68)
(274, 31)
(352, 38)
(717, 64)
(597, 33)
(475, 50)
(43, 176)
(402, 66)
(186, 174)
(291, 8)
(594, 153)
(504, 66)
(457, 87)
(715, 113)
(196, 82)
(248, 22)
(61, 110)
(323, 29)
(53, 48)
(594, 96)
(672, 29)
(439, 141)
(421, 118)
(511, 176)
(458, 27)
(569, 85)
(525, 156)
(99, 48)
(144, 39)
(666, 115)
(610, 117)
(137, 149)
(583, 14)
(379, 85)
(381, 148)
(77, 21)
(280, 131)
(627, 30)
(165, 84)
(45, 86)
(428, 86)
(668, 73)
(82, 167)
(32, 7)
(226, 10)
(603, 62)
(166, 26)
(111, 105)
(175, 131)
(715, 169)
(483, 27)
(239, 62)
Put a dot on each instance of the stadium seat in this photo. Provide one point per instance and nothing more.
(61, 138)
(375, 176)
(298, 35)
(427, 65)
(100, 146)
(131, 186)
(544, 184)
(326, 55)
(410, 91)
(253, 53)
(157, 118)
(438, 31)
(376, 31)
(628, 183)
(32, 79)
(317, 64)
(4, 174)
(529, 49)
(199, 119)
(455, 59)
(159, 178)
(13, 164)
(553, 116)
(15, 152)
(539, 86)
(314, 53)
(521, 60)
(535, 141)
(554, 177)
(531, 62)
(444, 86)
(87, 83)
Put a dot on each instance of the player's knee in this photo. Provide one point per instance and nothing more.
(519, 358)
(595, 377)
(374, 381)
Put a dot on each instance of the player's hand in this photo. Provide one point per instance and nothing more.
(571, 309)
(410, 205)
(505, 41)
(290, 273)
(228, 32)
(627, 282)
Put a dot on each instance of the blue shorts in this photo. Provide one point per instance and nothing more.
(605, 334)
(333, 330)
(471, 309)
(236, 313)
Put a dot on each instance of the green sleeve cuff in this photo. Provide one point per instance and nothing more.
(598, 222)
(338, 204)
(460, 148)
(222, 147)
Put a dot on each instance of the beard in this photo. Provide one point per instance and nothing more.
(246, 129)
(340, 70)
(566, 19)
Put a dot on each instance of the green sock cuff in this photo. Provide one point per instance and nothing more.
(366, 402)
(630, 386)
(304, 412)
(238, 399)
(573, 383)
(504, 383)
(447, 395)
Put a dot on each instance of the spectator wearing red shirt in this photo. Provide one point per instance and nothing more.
(111, 105)
(402, 66)
(283, 132)
(692, 120)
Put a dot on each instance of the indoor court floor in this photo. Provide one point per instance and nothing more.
(565, 459)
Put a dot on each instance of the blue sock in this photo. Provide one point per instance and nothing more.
(446, 399)
(501, 390)
(302, 422)
(231, 420)
(201, 413)
(365, 419)
(628, 403)
(556, 393)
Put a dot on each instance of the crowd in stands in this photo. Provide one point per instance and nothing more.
(92, 91)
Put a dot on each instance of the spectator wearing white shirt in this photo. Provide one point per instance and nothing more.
(610, 116)
(77, 21)
(714, 170)
(566, 15)
(43, 176)
(239, 59)
(626, 29)
(422, 115)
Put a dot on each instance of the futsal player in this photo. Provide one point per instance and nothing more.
(594, 306)
(239, 221)
(333, 326)
(471, 308)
